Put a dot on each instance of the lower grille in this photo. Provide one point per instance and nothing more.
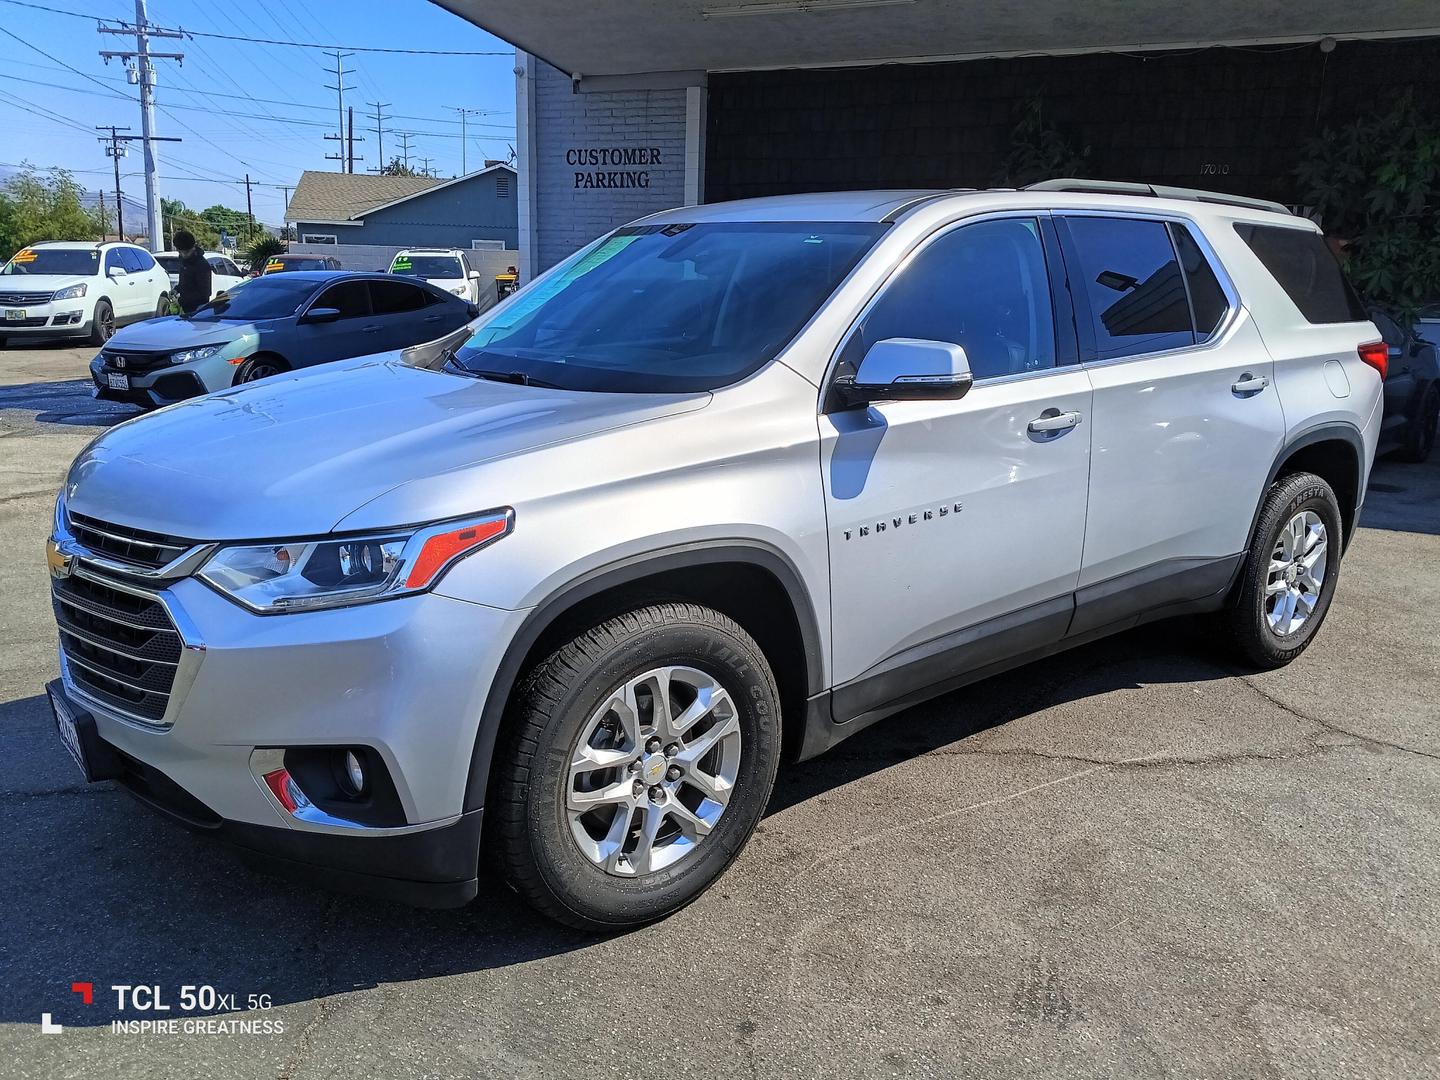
(119, 645)
(152, 550)
(29, 322)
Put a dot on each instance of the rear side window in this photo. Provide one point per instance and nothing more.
(1133, 284)
(1207, 299)
(1307, 270)
(393, 297)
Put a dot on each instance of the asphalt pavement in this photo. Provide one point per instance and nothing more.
(1131, 860)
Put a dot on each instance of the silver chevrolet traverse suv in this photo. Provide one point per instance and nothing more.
(724, 487)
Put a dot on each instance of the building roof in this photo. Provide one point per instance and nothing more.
(347, 197)
(618, 37)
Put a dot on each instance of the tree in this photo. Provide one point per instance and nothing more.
(234, 223)
(1039, 150)
(1376, 186)
(36, 207)
(177, 216)
(260, 252)
(398, 168)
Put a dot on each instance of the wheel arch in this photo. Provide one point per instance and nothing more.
(1333, 451)
(750, 581)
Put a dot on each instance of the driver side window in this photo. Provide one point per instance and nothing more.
(983, 287)
(113, 260)
(350, 298)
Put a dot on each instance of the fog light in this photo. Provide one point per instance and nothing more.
(354, 774)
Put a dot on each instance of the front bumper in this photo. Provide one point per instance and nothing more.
(66, 318)
(163, 385)
(433, 867)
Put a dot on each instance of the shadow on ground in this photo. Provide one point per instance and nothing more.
(108, 892)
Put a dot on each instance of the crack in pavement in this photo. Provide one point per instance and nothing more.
(79, 789)
(322, 1001)
(1334, 729)
(1141, 763)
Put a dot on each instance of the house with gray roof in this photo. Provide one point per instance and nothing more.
(476, 211)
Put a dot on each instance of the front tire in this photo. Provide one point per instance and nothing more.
(639, 758)
(102, 323)
(1289, 574)
(260, 366)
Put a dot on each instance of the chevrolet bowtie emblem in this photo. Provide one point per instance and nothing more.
(59, 562)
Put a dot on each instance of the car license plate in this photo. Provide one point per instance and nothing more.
(117, 381)
(69, 733)
(14, 314)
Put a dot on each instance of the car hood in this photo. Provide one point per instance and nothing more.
(175, 332)
(295, 454)
(35, 283)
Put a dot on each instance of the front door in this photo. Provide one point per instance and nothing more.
(355, 333)
(125, 290)
(955, 527)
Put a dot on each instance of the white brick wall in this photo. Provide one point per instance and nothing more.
(567, 217)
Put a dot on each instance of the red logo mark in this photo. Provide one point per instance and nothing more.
(85, 990)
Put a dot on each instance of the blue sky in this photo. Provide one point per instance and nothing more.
(279, 90)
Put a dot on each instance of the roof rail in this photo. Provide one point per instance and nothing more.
(1124, 187)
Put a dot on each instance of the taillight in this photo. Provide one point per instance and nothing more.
(1377, 355)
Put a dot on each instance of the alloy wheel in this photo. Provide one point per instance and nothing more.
(653, 771)
(1297, 573)
(261, 371)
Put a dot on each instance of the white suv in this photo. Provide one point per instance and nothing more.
(445, 268)
(62, 289)
(721, 489)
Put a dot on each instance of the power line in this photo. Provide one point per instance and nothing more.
(270, 41)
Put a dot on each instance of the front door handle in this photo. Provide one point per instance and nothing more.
(370, 329)
(1053, 420)
(1249, 384)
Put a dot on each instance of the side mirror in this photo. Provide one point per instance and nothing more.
(474, 275)
(321, 315)
(118, 272)
(908, 369)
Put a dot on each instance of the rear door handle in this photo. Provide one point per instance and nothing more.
(1053, 420)
(370, 329)
(1249, 384)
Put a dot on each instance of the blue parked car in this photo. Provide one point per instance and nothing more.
(270, 324)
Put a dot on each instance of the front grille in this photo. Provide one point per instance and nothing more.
(133, 360)
(120, 646)
(135, 546)
(25, 297)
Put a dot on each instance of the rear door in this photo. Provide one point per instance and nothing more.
(355, 333)
(1187, 421)
(408, 314)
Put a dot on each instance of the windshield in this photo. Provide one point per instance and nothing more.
(428, 266)
(673, 308)
(169, 263)
(261, 298)
(82, 261)
(279, 265)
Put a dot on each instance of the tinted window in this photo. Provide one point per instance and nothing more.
(114, 260)
(1207, 299)
(141, 258)
(129, 260)
(392, 297)
(350, 298)
(679, 307)
(29, 261)
(275, 297)
(169, 263)
(1307, 270)
(1133, 284)
(983, 287)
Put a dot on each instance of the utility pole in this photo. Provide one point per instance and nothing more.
(463, 140)
(102, 215)
(339, 72)
(405, 148)
(144, 74)
(115, 149)
(425, 166)
(379, 130)
(350, 158)
(249, 208)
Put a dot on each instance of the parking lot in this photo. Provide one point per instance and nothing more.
(1131, 860)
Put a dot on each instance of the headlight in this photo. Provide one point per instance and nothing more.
(205, 352)
(460, 290)
(302, 575)
(74, 292)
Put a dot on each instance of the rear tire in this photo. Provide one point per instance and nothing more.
(1420, 435)
(102, 323)
(1289, 574)
(601, 813)
(162, 308)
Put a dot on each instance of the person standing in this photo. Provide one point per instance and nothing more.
(195, 284)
